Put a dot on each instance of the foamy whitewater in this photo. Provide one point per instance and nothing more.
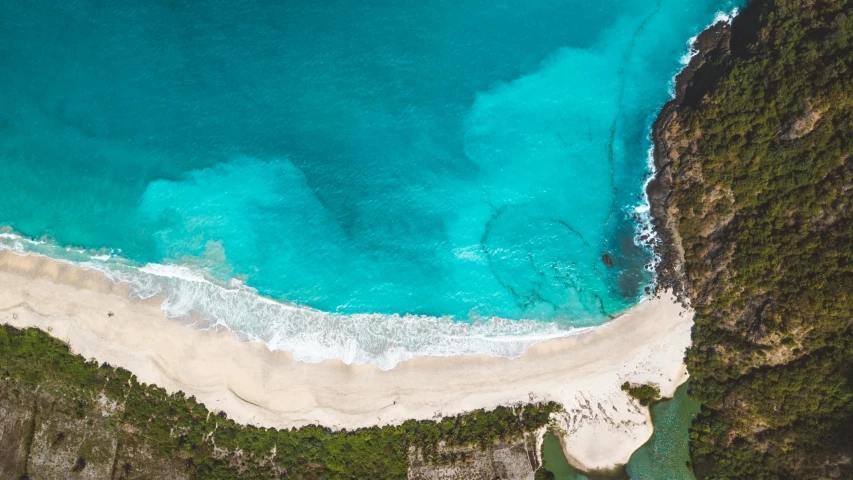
(346, 180)
(311, 335)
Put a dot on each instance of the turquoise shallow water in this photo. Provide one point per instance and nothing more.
(667, 453)
(464, 160)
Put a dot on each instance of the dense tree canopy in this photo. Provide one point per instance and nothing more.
(762, 198)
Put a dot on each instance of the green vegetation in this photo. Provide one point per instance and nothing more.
(543, 474)
(214, 447)
(763, 200)
(762, 196)
(645, 393)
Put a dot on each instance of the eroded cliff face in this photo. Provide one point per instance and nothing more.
(752, 204)
(676, 158)
(49, 435)
(506, 460)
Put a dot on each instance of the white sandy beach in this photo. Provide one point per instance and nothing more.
(252, 384)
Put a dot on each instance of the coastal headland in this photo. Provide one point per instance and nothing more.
(601, 425)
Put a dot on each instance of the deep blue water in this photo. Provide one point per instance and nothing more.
(446, 158)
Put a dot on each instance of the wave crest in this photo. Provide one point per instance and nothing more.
(310, 335)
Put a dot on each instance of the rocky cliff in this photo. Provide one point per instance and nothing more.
(753, 203)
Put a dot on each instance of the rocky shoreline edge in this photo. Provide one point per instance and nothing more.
(691, 84)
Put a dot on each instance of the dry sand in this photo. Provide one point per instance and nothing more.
(602, 425)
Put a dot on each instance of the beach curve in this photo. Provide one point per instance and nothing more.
(251, 384)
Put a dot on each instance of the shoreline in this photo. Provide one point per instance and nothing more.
(311, 335)
(251, 384)
(687, 87)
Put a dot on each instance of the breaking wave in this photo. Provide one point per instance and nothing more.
(645, 232)
(310, 335)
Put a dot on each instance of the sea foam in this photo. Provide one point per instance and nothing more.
(646, 235)
(393, 172)
(310, 335)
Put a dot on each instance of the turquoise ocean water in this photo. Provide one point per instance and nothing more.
(433, 177)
